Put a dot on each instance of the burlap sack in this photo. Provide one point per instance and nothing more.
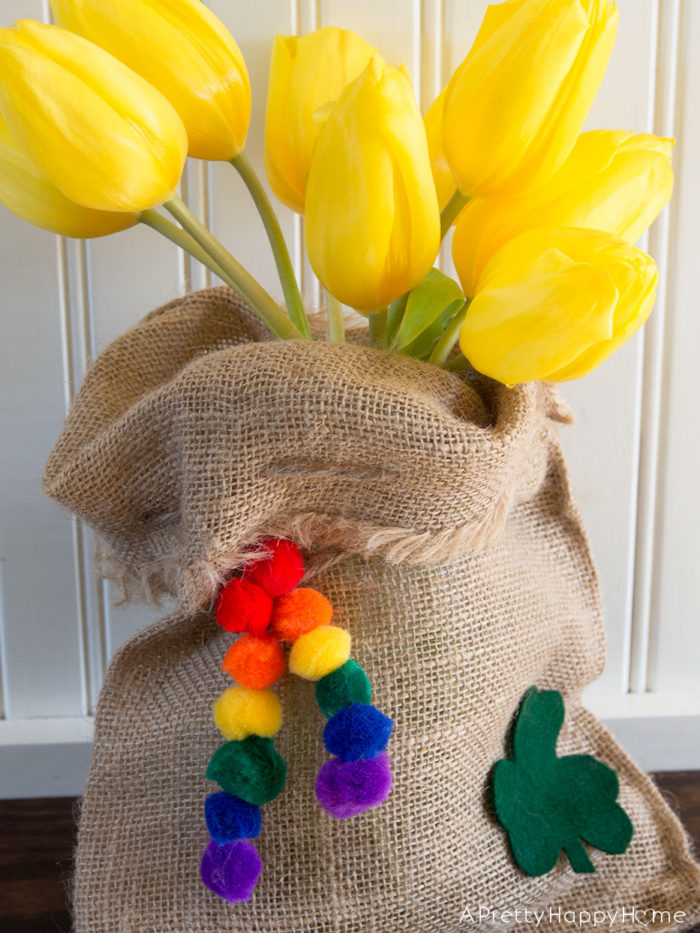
(437, 518)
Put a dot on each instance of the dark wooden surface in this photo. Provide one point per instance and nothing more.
(37, 839)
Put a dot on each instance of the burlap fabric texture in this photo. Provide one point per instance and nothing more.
(435, 514)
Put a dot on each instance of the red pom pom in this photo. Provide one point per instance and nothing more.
(281, 571)
(243, 607)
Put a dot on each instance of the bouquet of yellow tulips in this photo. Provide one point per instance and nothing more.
(100, 112)
(407, 471)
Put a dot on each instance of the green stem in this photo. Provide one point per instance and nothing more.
(458, 363)
(182, 239)
(336, 319)
(449, 338)
(292, 295)
(451, 211)
(247, 287)
(377, 327)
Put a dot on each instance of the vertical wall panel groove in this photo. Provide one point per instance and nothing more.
(4, 704)
(91, 593)
(312, 16)
(665, 62)
(674, 638)
(71, 377)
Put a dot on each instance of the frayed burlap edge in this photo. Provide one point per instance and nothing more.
(326, 538)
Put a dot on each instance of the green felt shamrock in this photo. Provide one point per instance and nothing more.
(546, 803)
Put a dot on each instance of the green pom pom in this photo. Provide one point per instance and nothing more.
(250, 769)
(343, 687)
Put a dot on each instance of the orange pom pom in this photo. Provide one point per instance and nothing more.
(255, 661)
(296, 613)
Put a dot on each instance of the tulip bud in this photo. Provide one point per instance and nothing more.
(372, 218)
(553, 304)
(27, 191)
(612, 181)
(182, 49)
(515, 106)
(305, 74)
(105, 137)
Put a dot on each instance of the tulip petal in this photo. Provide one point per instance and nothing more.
(553, 303)
(518, 332)
(612, 181)
(104, 136)
(445, 184)
(372, 219)
(515, 106)
(306, 74)
(631, 314)
(27, 191)
(181, 48)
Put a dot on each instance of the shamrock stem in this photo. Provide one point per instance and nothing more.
(283, 262)
(577, 855)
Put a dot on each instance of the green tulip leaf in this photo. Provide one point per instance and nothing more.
(423, 345)
(394, 316)
(427, 303)
(549, 804)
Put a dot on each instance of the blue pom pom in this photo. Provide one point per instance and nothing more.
(230, 818)
(357, 731)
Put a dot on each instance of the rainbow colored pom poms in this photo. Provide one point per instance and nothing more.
(266, 608)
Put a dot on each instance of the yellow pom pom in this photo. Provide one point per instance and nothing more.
(321, 651)
(240, 712)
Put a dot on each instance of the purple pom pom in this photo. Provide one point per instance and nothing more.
(346, 788)
(231, 871)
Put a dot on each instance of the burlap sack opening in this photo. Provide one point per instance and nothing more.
(437, 518)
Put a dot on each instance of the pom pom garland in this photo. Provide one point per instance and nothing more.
(281, 571)
(240, 712)
(267, 607)
(357, 731)
(346, 685)
(346, 788)
(298, 612)
(250, 769)
(231, 870)
(243, 607)
(319, 652)
(255, 661)
(230, 818)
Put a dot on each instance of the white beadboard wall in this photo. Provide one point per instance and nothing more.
(634, 453)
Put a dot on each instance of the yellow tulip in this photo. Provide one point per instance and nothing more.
(372, 218)
(105, 137)
(305, 74)
(553, 304)
(27, 191)
(182, 49)
(442, 173)
(612, 181)
(515, 106)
